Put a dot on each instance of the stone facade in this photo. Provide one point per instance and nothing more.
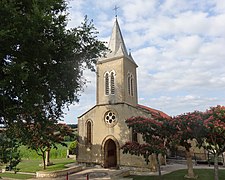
(102, 129)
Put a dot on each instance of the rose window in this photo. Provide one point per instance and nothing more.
(110, 118)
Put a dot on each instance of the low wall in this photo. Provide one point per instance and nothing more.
(54, 174)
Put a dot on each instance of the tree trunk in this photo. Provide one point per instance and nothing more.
(216, 167)
(47, 158)
(159, 168)
(223, 159)
(43, 159)
(190, 165)
(153, 163)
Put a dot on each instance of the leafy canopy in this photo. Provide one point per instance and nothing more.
(41, 62)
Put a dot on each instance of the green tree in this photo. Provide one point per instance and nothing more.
(214, 123)
(42, 62)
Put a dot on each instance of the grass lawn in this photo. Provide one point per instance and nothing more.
(203, 174)
(58, 153)
(16, 176)
(32, 165)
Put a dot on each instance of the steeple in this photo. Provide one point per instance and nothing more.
(116, 73)
(116, 45)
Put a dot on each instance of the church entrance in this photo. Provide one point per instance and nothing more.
(110, 157)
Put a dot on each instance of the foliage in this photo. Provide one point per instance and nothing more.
(42, 136)
(186, 127)
(214, 123)
(207, 128)
(151, 131)
(73, 147)
(9, 153)
(153, 134)
(42, 62)
(71, 138)
(41, 68)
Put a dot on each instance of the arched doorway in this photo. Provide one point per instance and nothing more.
(110, 154)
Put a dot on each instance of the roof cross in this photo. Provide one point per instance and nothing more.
(115, 9)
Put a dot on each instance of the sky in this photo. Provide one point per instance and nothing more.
(178, 45)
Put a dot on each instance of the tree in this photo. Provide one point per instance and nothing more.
(186, 128)
(41, 62)
(153, 136)
(214, 123)
(41, 136)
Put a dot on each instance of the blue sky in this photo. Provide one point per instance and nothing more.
(179, 46)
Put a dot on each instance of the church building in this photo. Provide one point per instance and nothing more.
(102, 129)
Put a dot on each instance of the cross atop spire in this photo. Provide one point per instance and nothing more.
(115, 9)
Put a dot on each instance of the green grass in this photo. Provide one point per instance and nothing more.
(17, 176)
(58, 153)
(59, 164)
(34, 165)
(203, 174)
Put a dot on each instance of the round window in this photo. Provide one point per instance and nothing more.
(110, 118)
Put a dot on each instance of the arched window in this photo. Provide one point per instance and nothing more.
(107, 84)
(112, 83)
(134, 136)
(128, 84)
(132, 85)
(89, 133)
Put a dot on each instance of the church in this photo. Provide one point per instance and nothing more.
(102, 129)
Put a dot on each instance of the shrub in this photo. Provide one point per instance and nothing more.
(73, 147)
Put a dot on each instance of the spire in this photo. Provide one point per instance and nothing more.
(116, 43)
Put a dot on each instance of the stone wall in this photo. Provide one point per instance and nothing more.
(54, 174)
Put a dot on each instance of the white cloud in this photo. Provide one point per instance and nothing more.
(178, 46)
(136, 10)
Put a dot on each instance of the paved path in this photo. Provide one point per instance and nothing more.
(106, 174)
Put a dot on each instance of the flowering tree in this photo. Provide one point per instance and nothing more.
(153, 137)
(186, 128)
(42, 136)
(214, 123)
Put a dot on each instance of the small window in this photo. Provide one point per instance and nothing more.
(89, 133)
(109, 79)
(132, 86)
(107, 84)
(134, 136)
(128, 84)
(112, 78)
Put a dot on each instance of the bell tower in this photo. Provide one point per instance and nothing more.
(116, 73)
